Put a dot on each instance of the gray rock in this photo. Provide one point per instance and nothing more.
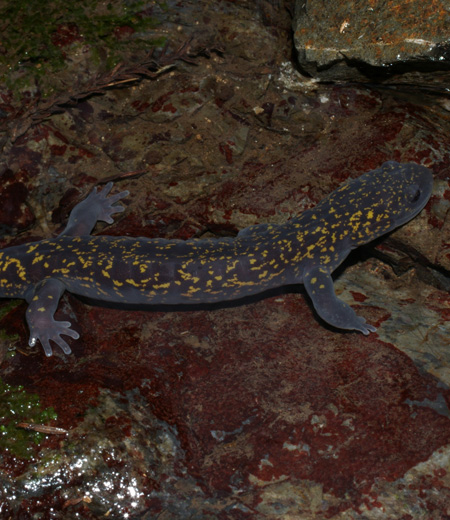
(352, 40)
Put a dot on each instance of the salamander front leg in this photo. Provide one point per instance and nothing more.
(319, 285)
(43, 327)
(97, 206)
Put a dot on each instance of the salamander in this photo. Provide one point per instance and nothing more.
(305, 249)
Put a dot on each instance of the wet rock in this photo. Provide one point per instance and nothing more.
(353, 40)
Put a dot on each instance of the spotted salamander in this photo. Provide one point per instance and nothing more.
(306, 249)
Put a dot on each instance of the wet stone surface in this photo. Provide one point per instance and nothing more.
(360, 40)
(251, 409)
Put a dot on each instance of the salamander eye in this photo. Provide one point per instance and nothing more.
(413, 193)
(416, 196)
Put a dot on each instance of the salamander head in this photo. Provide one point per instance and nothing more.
(410, 189)
(381, 200)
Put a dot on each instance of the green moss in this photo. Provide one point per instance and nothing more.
(33, 31)
(18, 406)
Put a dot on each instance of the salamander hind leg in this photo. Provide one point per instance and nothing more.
(43, 327)
(319, 286)
(97, 206)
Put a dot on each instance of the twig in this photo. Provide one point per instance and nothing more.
(42, 428)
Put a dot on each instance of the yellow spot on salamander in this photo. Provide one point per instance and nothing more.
(62, 271)
(20, 269)
(162, 286)
(32, 247)
(309, 250)
(117, 283)
(85, 263)
(232, 265)
(132, 282)
(105, 273)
